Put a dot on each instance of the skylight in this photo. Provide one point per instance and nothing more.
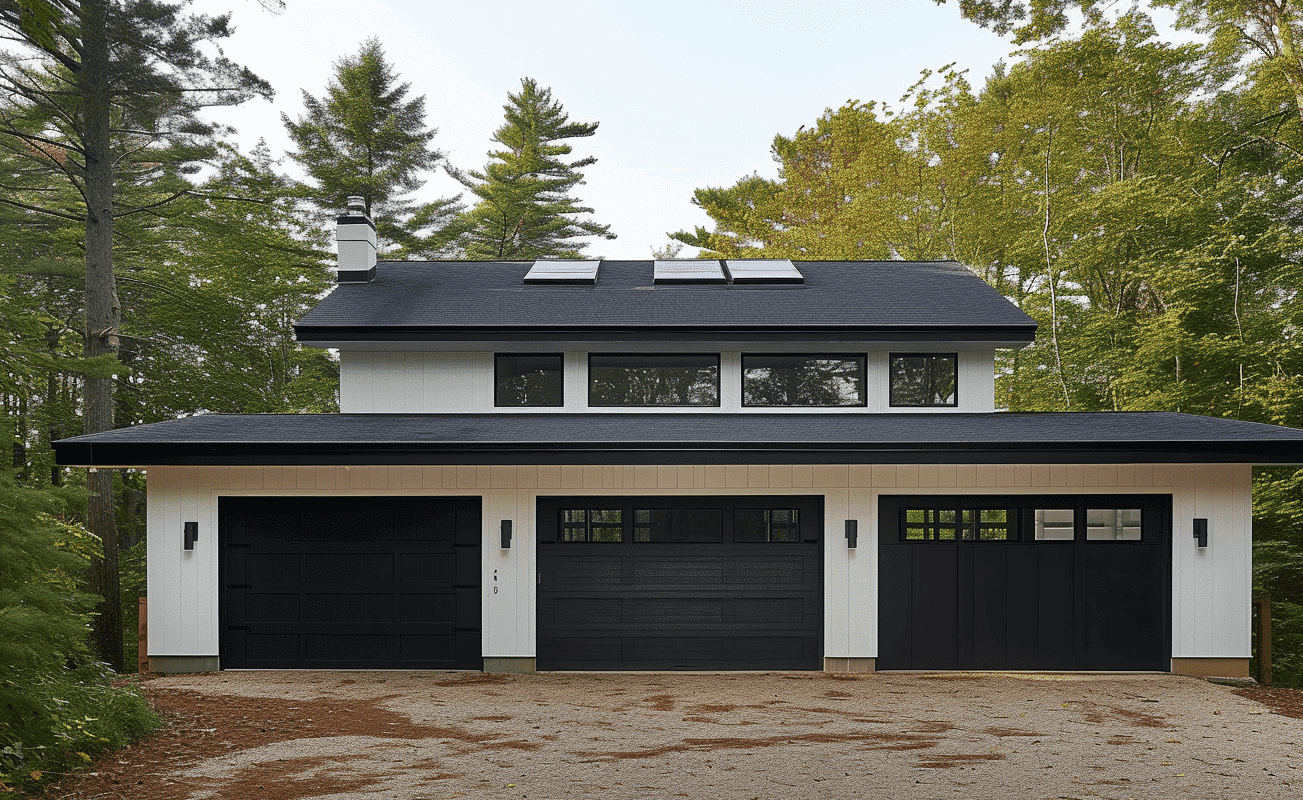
(687, 270)
(763, 270)
(558, 270)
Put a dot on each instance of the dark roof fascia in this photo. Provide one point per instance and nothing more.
(308, 334)
(146, 454)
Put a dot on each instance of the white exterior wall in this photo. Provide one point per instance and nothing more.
(418, 381)
(1211, 588)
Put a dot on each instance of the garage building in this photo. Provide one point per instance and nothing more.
(742, 464)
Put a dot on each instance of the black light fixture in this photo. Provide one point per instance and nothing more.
(506, 534)
(189, 534)
(852, 533)
(1201, 531)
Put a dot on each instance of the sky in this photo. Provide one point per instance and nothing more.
(687, 94)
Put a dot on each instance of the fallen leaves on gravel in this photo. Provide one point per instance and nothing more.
(1283, 701)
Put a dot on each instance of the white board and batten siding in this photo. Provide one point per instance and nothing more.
(431, 382)
(1211, 587)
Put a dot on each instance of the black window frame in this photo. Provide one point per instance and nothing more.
(770, 526)
(1156, 515)
(718, 370)
(589, 523)
(862, 358)
(497, 372)
(891, 384)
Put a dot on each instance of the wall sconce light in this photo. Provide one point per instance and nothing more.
(1201, 531)
(852, 533)
(506, 534)
(189, 534)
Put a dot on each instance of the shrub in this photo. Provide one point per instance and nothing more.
(56, 705)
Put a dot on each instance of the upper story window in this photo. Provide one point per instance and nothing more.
(653, 380)
(533, 379)
(924, 379)
(803, 380)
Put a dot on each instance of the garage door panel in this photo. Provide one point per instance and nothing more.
(769, 571)
(353, 607)
(342, 526)
(991, 601)
(437, 567)
(594, 570)
(682, 593)
(422, 647)
(935, 597)
(895, 618)
(468, 607)
(677, 570)
(353, 567)
(376, 648)
(368, 583)
(468, 522)
(262, 607)
(270, 647)
(432, 608)
(1122, 609)
(595, 610)
(607, 650)
(267, 567)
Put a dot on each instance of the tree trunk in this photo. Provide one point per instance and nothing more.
(1291, 66)
(102, 317)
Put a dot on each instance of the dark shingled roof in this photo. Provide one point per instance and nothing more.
(720, 438)
(464, 300)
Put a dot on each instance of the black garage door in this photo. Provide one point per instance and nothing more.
(680, 583)
(350, 582)
(1019, 582)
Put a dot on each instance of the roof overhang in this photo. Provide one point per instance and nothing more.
(567, 438)
(343, 336)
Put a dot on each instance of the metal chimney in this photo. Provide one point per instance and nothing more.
(356, 235)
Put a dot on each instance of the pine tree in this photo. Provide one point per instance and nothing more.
(111, 99)
(525, 210)
(363, 138)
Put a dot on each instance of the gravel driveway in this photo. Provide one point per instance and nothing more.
(786, 735)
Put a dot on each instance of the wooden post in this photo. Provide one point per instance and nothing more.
(142, 637)
(1264, 639)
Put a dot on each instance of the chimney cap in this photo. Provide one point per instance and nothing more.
(356, 213)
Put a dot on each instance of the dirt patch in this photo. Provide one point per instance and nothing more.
(1097, 713)
(1003, 732)
(294, 778)
(951, 760)
(1283, 701)
(474, 679)
(660, 702)
(734, 743)
(200, 726)
(711, 708)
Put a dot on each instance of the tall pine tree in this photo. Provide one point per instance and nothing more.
(525, 210)
(364, 138)
(112, 98)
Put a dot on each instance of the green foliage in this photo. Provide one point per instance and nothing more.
(1138, 199)
(67, 720)
(525, 210)
(51, 711)
(364, 139)
(42, 613)
(218, 281)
